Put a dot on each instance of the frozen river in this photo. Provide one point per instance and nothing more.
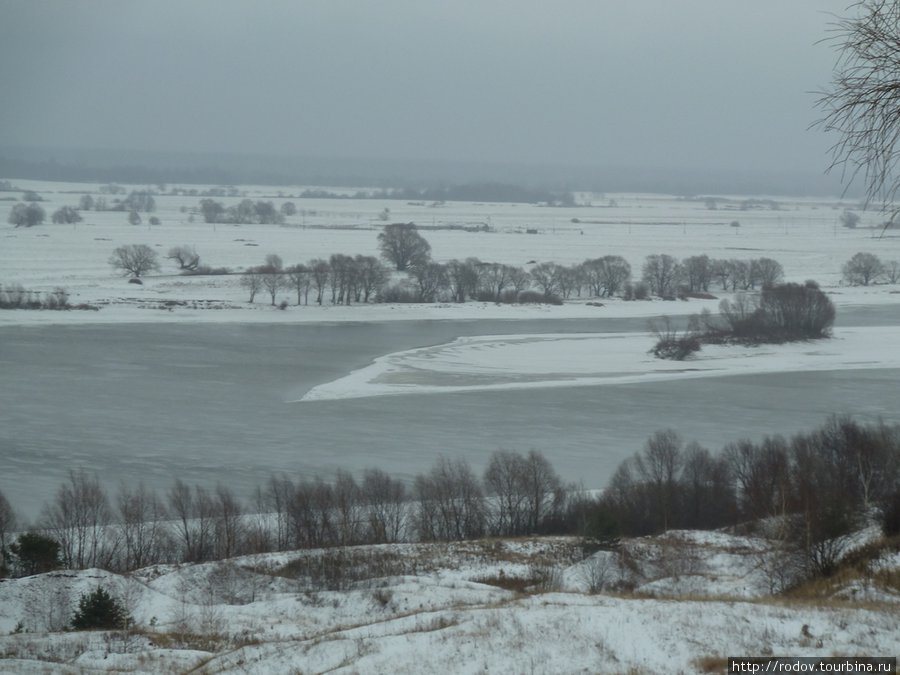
(208, 403)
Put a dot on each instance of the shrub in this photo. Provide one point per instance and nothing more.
(397, 293)
(534, 297)
(783, 313)
(671, 344)
(206, 270)
(99, 610)
(641, 291)
(509, 297)
(795, 312)
(17, 297)
(677, 348)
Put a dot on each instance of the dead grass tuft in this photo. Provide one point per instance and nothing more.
(711, 664)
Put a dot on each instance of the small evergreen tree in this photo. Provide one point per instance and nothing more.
(99, 610)
(35, 553)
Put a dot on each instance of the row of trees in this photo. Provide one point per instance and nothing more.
(361, 278)
(31, 213)
(141, 201)
(808, 493)
(245, 212)
(666, 276)
(16, 296)
(349, 278)
(811, 491)
(357, 278)
(82, 527)
(867, 268)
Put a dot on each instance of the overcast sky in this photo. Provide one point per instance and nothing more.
(664, 83)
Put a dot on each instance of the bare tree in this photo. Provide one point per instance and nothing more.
(450, 502)
(863, 269)
(546, 277)
(321, 275)
(343, 277)
(134, 259)
(861, 104)
(272, 277)
(892, 271)
(300, 279)
(661, 272)
(659, 466)
(493, 278)
(705, 489)
(519, 280)
(143, 517)
(252, 280)
(228, 529)
(186, 257)
(430, 278)
(311, 515)
(348, 509)
(194, 512)
(78, 518)
(504, 480)
(66, 215)
(372, 275)
(698, 272)
(762, 475)
(403, 246)
(278, 495)
(766, 271)
(544, 489)
(385, 503)
(615, 272)
(463, 278)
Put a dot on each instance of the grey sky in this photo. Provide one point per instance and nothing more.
(664, 83)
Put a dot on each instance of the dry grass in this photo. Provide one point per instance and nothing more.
(855, 568)
(711, 664)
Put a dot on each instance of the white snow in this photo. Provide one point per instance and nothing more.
(802, 234)
(537, 361)
(696, 594)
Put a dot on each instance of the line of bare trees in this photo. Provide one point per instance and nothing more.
(810, 492)
(83, 527)
(363, 278)
(667, 277)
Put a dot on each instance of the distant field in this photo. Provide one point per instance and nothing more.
(804, 235)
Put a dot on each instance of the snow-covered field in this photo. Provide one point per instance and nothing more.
(416, 608)
(804, 235)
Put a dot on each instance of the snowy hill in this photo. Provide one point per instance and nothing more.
(685, 601)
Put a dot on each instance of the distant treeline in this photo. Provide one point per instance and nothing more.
(472, 192)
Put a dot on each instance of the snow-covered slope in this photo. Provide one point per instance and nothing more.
(453, 608)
